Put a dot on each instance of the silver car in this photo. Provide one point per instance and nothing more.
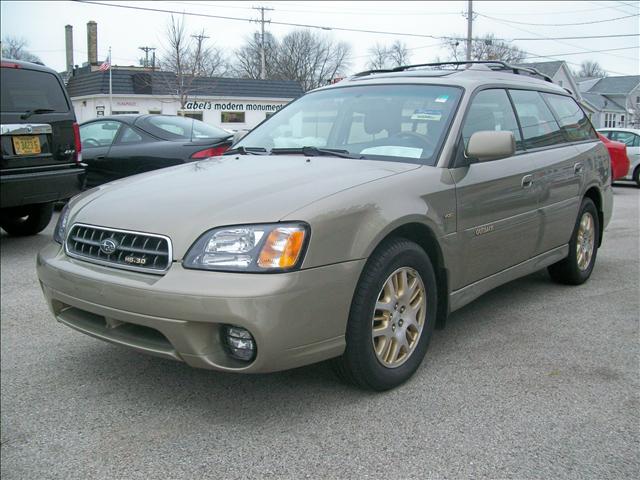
(347, 226)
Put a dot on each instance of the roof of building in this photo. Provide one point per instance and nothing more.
(601, 102)
(548, 68)
(132, 82)
(616, 85)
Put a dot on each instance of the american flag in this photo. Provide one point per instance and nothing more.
(105, 66)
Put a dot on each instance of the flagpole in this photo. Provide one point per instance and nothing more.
(110, 85)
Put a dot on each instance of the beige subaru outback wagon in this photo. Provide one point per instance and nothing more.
(346, 226)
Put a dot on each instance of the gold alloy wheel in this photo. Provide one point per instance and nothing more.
(399, 316)
(586, 241)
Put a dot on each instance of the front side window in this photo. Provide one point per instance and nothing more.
(573, 121)
(491, 110)
(628, 138)
(377, 121)
(539, 127)
(98, 134)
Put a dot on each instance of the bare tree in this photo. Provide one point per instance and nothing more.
(16, 48)
(247, 58)
(311, 58)
(590, 68)
(485, 48)
(378, 57)
(383, 57)
(188, 57)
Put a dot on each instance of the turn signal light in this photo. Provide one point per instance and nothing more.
(282, 248)
(210, 152)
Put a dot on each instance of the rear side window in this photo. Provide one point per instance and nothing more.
(539, 127)
(24, 90)
(572, 119)
(180, 128)
(491, 110)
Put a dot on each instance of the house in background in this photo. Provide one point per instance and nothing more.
(559, 72)
(615, 101)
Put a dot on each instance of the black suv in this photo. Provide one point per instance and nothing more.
(40, 161)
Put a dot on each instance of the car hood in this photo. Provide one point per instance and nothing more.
(183, 202)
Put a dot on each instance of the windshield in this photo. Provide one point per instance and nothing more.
(380, 121)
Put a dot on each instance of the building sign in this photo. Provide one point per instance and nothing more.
(126, 103)
(99, 110)
(236, 107)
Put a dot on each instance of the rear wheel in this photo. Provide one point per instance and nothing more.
(26, 220)
(636, 176)
(391, 319)
(583, 248)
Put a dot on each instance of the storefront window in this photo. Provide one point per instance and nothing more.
(232, 117)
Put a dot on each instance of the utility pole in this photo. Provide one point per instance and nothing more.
(146, 51)
(200, 38)
(263, 62)
(469, 29)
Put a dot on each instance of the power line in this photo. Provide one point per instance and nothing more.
(558, 24)
(590, 51)
(321, 27)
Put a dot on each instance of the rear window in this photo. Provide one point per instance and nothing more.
(180, 128)
(539, 127)
(24, 90)
(573, 121)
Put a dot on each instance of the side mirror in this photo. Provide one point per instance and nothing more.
(239, 135)
(491, 145)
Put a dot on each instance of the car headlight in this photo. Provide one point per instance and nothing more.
(250, 248)
(60, 232)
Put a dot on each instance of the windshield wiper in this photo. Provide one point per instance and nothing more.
(246, 151)
(28, 113)
(316, 152)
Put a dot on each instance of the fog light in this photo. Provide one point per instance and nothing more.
(239, 342)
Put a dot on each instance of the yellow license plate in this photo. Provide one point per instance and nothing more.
(26, 144)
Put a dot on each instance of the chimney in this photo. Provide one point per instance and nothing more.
(68, 38)
(92, 42)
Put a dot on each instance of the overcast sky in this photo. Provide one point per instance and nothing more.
(42, 24)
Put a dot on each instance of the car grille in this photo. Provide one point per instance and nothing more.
(142, 252)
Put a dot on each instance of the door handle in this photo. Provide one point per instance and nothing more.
(527, 180)
(577, 168)
(100, 157)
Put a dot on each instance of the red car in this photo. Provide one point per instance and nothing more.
(619, 159)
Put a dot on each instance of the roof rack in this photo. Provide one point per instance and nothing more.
(492, 64)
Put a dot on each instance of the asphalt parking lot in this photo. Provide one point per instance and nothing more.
(533, 380)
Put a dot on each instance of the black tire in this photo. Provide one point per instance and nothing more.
(359, 364)
(567, 271)
(28, 221)
(636, 176)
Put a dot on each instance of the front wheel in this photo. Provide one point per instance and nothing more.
(583, 248)
(636, 176)
(392, 316)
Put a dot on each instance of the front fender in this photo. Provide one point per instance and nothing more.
(350, 224)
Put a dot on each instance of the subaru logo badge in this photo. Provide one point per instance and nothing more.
(108, 246)
(29, 129)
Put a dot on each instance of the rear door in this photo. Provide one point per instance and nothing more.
(37, 121)
(552, 126)
(496, 200)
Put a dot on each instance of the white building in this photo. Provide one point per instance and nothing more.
(230, 103)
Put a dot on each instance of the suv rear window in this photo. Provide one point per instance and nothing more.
(24, 90)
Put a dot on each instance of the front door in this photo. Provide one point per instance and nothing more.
(496, 200)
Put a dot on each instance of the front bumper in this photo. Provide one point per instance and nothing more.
(296, 318)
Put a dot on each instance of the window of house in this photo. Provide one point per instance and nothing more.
(610, 120)
(491, 110)
(539, 127)
(621, 123)
(573, 121)
(232, 117)
(123, 112)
